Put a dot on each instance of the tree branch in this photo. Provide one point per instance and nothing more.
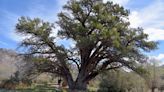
(75, 61)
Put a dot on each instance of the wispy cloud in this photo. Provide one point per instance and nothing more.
(151, 19)
(35, 10)
(9, 24)
(3, 43)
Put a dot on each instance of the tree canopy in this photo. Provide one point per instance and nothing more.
(102, 36)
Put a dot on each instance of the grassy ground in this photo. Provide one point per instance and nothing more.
(35, 89)
(42, 88)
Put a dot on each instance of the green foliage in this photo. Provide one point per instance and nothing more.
(109, 82)
(94, 23)
(121, 81)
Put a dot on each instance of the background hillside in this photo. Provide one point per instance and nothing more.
(8, 63)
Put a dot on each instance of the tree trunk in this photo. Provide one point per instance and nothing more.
(78, 87)
(153, 89)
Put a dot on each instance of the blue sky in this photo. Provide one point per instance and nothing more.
(144, 13)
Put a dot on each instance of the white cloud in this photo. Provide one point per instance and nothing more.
(153, 14)
(62, 2)
(158, 59)
(155, 34)
(151, 19)
(160, 56)
(121, 2)
(135, 19)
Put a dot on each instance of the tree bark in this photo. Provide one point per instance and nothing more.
(78, 87)
(152, 89)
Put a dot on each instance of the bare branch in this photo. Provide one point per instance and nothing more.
(75, 61)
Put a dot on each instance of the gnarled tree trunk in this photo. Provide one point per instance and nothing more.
(80, 84)
(78, 87)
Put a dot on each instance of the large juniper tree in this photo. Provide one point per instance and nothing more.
(102, 36)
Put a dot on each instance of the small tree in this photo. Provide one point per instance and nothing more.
(112, 81)
(102, 36)
(153, 80)
(121, 81)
